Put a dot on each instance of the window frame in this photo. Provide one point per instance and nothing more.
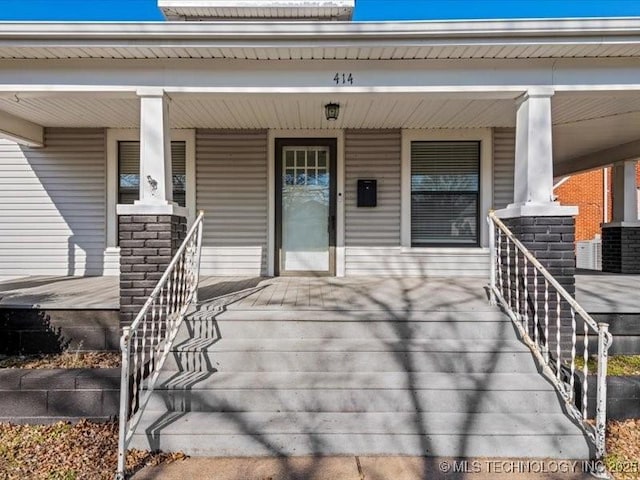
(482, 135)
(118, 196)
(449, 192)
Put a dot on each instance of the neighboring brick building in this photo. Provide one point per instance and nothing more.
(587, 191)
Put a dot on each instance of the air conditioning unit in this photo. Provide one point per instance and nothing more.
(589, 254)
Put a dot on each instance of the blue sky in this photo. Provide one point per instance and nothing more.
(132, 10)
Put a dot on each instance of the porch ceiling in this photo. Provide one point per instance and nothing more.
(583, 122)
(263, 111)
(586, 123)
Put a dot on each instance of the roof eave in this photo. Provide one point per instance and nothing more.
(274, 31)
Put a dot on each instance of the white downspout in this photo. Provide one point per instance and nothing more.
(605, 191)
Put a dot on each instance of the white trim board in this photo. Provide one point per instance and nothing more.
(484, 136)
(469, 31)
(118, 135)
(493, 78)
(271, 188)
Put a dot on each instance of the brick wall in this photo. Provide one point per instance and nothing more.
(621, 250)
(147, 245)
(586, 190)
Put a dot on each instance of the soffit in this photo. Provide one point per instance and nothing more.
(491, 39)
(190, 50)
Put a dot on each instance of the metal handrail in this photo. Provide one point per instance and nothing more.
(527, 297)
(147, 342)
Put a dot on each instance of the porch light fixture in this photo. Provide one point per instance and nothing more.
(331, 111)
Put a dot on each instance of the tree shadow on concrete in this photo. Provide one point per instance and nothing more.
(415, 328)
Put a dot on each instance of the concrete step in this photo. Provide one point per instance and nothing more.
(400, 329)
(302, 433)
(373, 391)
(523, 382)
(352, 356)
(354, 400)
(328, 315)
(349, 345)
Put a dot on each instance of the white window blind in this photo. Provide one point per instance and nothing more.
(445, 179)
(129, 172)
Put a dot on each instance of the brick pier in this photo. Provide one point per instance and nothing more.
(147, 245)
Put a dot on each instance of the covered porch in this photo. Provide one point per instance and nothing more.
(108, 163)
(227, 167)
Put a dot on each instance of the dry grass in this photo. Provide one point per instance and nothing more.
(618, 365)
(64, 360)
(623, 447)
(88, 451)
(63, 451)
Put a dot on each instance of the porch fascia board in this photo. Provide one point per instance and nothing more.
(20, 130)
(601, 158)
(493, 91)
(555, 39)
(498, 79)
(581, 30)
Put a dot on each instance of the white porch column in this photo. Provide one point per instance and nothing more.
(533, 172)
(621, 237)
(156, 180)
(533, 181)
(625, 192)
(155, 149)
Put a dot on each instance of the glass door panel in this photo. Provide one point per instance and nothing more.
(306, 209)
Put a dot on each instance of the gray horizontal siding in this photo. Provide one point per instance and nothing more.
(396, 261)
(373, 154)
(52, 205)
(504, 154)
(231, 186)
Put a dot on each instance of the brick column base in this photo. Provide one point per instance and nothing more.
(621, 249)
(147, 245)
(552, 241)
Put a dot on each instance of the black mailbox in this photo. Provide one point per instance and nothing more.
(367, 193)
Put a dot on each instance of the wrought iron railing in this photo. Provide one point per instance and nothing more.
(548, 318)
(147, 342)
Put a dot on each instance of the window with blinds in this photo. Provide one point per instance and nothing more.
(445, 189)
(129, 172)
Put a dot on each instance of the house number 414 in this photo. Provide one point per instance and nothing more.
(343, 79)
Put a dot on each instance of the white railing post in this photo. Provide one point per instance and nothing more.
(493, 262)
(124, 404)
(601, 394)
(197, 259)
(509, 293)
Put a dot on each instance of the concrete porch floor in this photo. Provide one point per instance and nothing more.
(597, 292)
